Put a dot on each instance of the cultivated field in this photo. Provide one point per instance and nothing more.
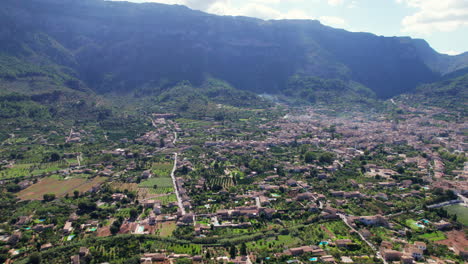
(31, 169)
(121, 187)
(166, 228)
(58, 187)
(460, 211)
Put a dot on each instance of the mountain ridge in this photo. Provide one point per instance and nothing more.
(120, 46)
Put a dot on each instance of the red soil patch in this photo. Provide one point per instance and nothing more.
(456, 239)
(104, 231)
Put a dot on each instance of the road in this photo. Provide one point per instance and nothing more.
(445, 204)
(257, 202)
(179, 199)
(174, 168)
(69, 136)
(464, 199)
(345, 220)
(175, 138)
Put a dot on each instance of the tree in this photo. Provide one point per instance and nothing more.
(34, 258)
(76, 194)
(13, 187)
(48, 197)
(401, 170)
(326, 158)
(309, 157)
(133, 213)
(54, 157)
(233, 251)
(3, 258)
(115, 227)
(86, 206)
(243, 249)
(219, 116)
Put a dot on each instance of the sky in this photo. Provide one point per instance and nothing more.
(442, 23)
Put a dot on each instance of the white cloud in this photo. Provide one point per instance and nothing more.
(451, 52)
(352, 4)
(263, 9)
(296, 14)
(335, 2)
(252, 10)
(435, 16)
(259, 11)
(333, 21)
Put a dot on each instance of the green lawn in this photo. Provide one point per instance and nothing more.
(160, 182)
(413, 224)
(161, 190)
(162, 169)
(284, 241)
(460, 211)
(167, 199)
(434, 236)
(167, 228)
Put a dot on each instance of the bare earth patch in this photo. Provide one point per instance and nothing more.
(58, 187)
(456, 239)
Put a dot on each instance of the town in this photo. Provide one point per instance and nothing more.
(294, 185)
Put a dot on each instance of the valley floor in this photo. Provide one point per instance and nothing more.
(295, 185)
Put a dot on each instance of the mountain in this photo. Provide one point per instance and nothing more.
(449, 93)
(441, 63)
(119, 47)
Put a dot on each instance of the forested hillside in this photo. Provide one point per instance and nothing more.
(119, 47)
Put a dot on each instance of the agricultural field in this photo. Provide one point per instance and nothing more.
(177, 248)
(282, 241)
(162, 169)
(220, 182)
(89, 184)
(121, 187)
(125, 213)
(167, 199)
(317, 234)
(434, 236)
(147, 193)
(50, 185)
(159, 182)
(456, 239)
(31, 169)
(161, 190)
(160, 187)
(58, 187)
(165, 229)
(460, 211)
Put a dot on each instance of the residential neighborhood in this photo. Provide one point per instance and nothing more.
(297, 187)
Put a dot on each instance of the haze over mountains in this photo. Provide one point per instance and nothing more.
(120, 47)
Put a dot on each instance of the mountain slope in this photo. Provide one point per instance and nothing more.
(449, 93)
(120, 47)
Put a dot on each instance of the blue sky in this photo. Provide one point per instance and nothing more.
(443, 23)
